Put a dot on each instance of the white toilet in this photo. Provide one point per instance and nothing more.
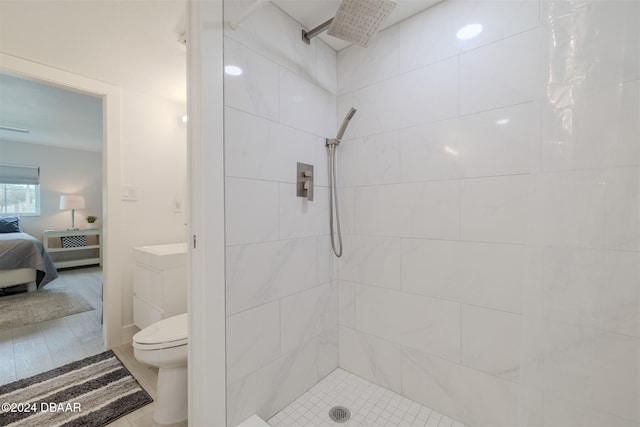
(164, 344)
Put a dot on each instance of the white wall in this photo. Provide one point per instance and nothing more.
(62, 171)
(154, 161)
(280, 292)
(460, 215)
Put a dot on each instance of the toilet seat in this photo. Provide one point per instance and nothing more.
(167, 333)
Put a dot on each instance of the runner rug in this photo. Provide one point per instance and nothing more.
(34, 307)
(91, 392)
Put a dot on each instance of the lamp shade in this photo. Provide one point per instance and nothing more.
(71, 202)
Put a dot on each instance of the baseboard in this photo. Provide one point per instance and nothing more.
(128, 332)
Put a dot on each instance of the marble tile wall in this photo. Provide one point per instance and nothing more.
(281, 288)
(490, 212)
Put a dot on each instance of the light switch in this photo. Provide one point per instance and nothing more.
(129, 193)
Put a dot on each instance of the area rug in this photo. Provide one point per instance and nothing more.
(34, 307)
(92, 392)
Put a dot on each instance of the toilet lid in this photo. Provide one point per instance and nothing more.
(165, 331)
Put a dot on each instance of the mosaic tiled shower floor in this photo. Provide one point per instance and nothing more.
(369, 404)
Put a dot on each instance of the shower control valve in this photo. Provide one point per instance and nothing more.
(304, 181)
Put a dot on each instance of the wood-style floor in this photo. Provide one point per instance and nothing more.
(30, 350)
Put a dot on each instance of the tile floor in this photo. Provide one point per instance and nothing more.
(370, 406)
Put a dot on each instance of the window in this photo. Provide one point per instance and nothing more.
(21, 199)
(19, 189)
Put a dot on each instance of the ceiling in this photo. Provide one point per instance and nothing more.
(53, 115)
(131, 44)
(312, 13)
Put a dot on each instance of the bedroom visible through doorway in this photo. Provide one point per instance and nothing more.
(60, 137)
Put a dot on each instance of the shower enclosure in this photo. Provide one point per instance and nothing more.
(488, 192)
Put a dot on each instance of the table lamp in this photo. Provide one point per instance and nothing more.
(72, 202)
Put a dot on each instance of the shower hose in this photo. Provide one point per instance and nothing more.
(333, 202)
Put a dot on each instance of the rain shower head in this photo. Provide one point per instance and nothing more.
(356, 21)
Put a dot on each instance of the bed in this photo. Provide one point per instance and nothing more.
(23, 259)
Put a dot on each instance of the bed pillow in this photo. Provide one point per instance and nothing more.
(10, 224)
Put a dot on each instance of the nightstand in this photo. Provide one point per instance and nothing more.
(81, 255)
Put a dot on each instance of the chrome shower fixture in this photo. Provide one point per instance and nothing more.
(356, 21)
(343, 128)
(334, 213)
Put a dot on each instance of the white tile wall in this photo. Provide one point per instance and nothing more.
(587, 143)
(347, 304)
(496, 209)
(622, 230)
(427, 209)
(560, 197)
(489, 275)
(371, 358)
(610, 359)
(244, 224)
(371, 260)
(439, 86)
(327, 351)
(503, 73)
(491, 341)
(562, 411)
(428, 324)
(588, 274)
(429, 37)
(262, 149)
(371, 160)
(629, 136)
(275, 35)
(305, 106)
(505, 141)
(280, 287)
(305, 315)
(510, 188)
(430, 151)
(632, 42)
(327, 63)
(327, 264)
(377, 108)
(474, 397)
(286, 379)
(256, 89)
(282, 298)
(300, 217)
(466, 202)
(359, 67)
(264, 272)
(253, 340)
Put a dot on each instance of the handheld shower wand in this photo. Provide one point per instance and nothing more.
(332, 146)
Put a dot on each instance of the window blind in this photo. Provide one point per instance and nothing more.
(19, 174)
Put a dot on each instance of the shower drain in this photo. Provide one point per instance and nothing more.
(339, 414)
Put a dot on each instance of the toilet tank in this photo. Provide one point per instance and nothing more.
(159, 282)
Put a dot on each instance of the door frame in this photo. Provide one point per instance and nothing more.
(111, 180)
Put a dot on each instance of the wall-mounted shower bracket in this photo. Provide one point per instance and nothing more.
(304, 181)
(308, 35)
